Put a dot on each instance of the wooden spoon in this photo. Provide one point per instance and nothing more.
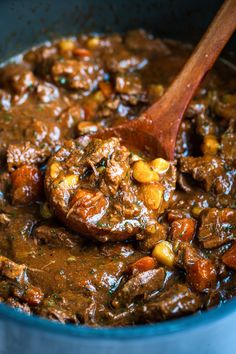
(156, 129)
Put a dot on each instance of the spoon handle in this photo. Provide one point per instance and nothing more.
(177, 97)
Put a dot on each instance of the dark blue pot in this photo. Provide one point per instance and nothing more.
(24, 23)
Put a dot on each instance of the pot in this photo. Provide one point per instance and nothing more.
(25, 23)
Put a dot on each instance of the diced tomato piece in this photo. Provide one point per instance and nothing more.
(229, 258)
(183, 229)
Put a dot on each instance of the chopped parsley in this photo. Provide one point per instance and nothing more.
(7, 117)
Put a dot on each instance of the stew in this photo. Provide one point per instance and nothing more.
(94, 232)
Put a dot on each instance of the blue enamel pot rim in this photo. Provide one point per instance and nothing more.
(191, 322)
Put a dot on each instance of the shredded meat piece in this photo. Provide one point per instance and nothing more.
(205, 125)
(12, 270)
(58, 314)
(25, 154)
(77, 75)
(140, 285)
(141, 40)
(228, 143)
(217, 227)
(116, 170)
(209, 170)
(55, 236)
(200, 271)
(18, 305)
(18, 78)
(179, 300)
(149, 241)
(98, 150)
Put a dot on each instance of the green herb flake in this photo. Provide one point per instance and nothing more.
(40, 107)
(62, 80)
(7, 117)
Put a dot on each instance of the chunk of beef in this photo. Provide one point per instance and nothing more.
(69, 119)
(28, 293)
(140, 285)
(41, 133)
(205, 125)
(55, 236)
(115, 171)
(226, 107)
(229, 257)
(16, 282)
(211, 171)
(12, 271)
(58, 314)
(186, 255)
(141, 40)
(26, 154)
(217, 227)
(5, 290)
(18, 78)
(77, 74)
(116, 250)
(127, 200)
(179, 300)
(201, 272)
(150, 240)
(120, 61)
(37, 55)
(128, 84)
(47, 92)
(18, 305)
(228, 143)
(54, 312)
(97, 150)
(184, 140)
(42, 139)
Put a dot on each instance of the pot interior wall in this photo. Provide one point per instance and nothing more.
(26, 22)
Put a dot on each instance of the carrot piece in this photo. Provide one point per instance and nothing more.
(26, 184)
(183, 229)
(201, 274)
(143, 264)
(229, 257)
(106, 88)
(86, 204)
(82, 52)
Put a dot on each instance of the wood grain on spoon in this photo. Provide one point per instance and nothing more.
(156, 129)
